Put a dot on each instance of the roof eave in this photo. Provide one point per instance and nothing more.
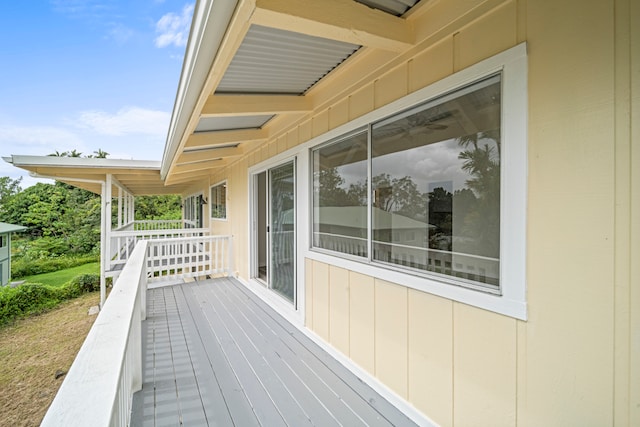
(80, 162)
(209, 25)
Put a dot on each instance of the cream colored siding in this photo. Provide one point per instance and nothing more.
(484, 367)
(391, 335)
(575, 361)
(320, 297)
(430, 374)
(362, 322)
(339, 313)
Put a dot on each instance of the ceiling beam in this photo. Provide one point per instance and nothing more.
(220, 137)
(249, 105)
(200, 166)
(342, 20)
(185, 178)
(209, 154)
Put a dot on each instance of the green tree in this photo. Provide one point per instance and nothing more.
(8, 189)
(59, 154)
(329, 191)
(67, 218)
(99, 154)
(481, 160)
(158, 207)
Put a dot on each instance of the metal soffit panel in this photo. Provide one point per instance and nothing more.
(281, 62)
(394, 7)
(209, 124)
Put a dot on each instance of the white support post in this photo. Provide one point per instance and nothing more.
(132, 208)
(104, 257)
(120, 211)
(127, 218)
(107, 212)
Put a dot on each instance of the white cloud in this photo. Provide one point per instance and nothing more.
(35, 139)
(173, 29)
(127, 121)
(92, 10)
(120, 33)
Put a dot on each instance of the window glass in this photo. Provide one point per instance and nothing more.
(435, 178)
(340, 196)
(193, 212)
(218, 201)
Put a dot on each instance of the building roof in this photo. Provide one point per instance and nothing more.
(139, 177)
(249, 64)
(10, 228)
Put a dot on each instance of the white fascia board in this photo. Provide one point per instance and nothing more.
(81, 162)
(208, 27)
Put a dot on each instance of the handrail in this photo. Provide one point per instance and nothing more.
(123, 242)
(178, 258)
(99, 387)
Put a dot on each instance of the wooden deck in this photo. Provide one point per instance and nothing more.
(214, 354)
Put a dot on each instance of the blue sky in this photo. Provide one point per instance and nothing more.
(89, 75)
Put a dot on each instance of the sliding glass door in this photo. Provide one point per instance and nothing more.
(274, 230)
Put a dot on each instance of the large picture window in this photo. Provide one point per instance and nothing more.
(419, 190)
(435, 177)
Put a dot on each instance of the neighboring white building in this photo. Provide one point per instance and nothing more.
(5, 250)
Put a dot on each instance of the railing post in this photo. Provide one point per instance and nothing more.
(230, 256)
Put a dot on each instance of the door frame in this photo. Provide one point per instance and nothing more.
(261, 287)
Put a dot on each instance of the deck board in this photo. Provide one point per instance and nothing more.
(215, 354)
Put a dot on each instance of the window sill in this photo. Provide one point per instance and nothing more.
(486, 300)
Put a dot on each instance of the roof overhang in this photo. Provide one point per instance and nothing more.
(138, 177)
(5, 227)
(249, 63)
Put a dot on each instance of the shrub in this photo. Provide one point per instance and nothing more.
(31, 298)
(26, 266)
(82, 284)
(27, 299)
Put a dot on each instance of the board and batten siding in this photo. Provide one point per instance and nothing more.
(576, 360)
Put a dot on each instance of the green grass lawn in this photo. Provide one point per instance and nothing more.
(59, 278)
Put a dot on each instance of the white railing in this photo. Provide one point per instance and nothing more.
(458, 264)
(172, 259)
(99, 387)
(164, 224)
(123, 242)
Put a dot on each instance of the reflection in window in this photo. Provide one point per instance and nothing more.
(435, 188)
(193, 211)
(218, 201)
(436, 174)
(340, 196)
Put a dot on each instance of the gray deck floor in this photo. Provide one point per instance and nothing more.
(214, 354)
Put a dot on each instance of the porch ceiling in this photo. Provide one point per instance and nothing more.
(261, 65)
(139, 177)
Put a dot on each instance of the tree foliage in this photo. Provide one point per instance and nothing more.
(8, 189)
(158, 207)
(65, 220)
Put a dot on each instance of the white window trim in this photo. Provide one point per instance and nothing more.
(513, 204)
(226, 210)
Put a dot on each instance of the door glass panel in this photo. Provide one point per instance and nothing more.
(282, 230)
(261, 226)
